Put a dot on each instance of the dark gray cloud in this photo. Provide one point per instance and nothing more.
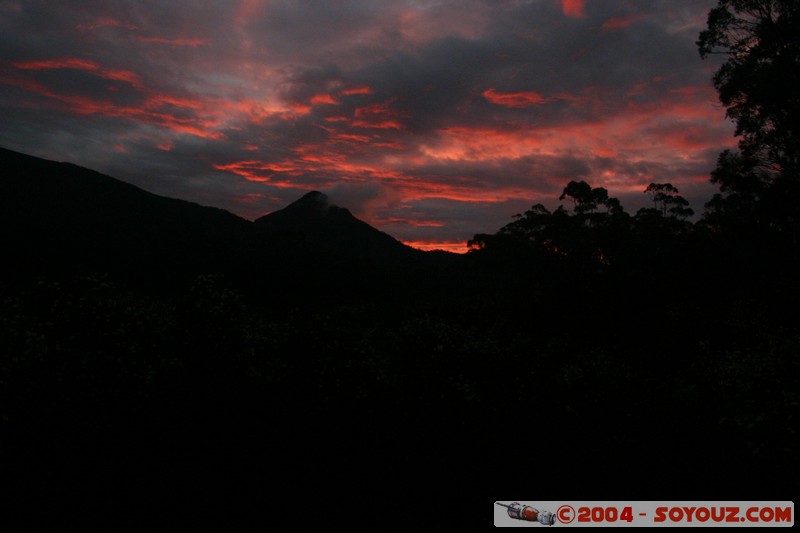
(432, 120)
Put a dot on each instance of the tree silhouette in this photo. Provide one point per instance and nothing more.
(581, 195)
(759, 83)
(585, 236)
(586, 199)
(667, 201)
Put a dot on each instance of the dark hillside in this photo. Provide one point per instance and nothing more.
(182, 349)
(61, 217)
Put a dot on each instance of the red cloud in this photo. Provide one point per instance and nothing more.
(387, 124)
(358, 91)
(573, 8)
(107, 21)
(635, 139)
(260, 171)
(417, 223)
(172, 42)
(67, 62)
(488, 143)
(619, 23)
(154, 109)
(326, 164)
(514, 100)
(651, 132)
(378, 116)
(323, 98)
(114, 23)
(80, 64)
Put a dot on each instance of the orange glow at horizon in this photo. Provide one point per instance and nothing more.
(456, 247)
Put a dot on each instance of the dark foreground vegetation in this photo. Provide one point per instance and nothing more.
(162, 359)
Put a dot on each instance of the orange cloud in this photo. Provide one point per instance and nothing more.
(514, 100)
(488, 143)
(635, 131)
(457, 247)
(300, 109)
(259, 171)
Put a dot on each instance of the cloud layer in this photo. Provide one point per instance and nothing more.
(431, 120)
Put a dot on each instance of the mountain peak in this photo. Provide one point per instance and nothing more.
(315, 221)
(312, 202)
(314, 196)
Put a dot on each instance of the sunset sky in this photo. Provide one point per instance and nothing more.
(431, 120)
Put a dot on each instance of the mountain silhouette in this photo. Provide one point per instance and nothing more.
(315, 223)
(62, 217)
(59, 218)
(309, 338)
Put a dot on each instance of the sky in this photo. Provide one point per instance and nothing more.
(432, 120)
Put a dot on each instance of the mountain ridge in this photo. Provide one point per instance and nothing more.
(316, 221)
(61, 217)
